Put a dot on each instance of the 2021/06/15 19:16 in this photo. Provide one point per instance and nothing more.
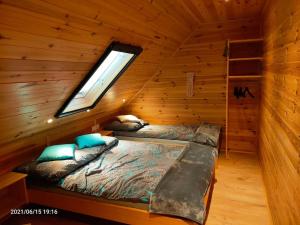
(34, 211)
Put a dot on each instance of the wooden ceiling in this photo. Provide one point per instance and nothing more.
(47, 47)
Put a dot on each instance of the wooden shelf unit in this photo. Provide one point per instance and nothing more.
(244, 69)
(13, 192)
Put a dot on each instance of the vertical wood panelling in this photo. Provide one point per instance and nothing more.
(163, 100)
(280, 111)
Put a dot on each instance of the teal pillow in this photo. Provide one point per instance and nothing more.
(89, 140)
(57, 152)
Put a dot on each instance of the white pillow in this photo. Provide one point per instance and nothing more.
(208, 134)
(128, 118)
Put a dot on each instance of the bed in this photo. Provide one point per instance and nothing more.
(128, 181)
(131, 126)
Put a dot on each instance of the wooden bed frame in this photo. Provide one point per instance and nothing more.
(88, 205)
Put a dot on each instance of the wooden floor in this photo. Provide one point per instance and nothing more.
(239, 198)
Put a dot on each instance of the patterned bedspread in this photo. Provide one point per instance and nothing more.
(129, 171)
(205, 133)
(170, 132)
(175, 176)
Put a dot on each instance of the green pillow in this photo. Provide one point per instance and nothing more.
(57, 152)
(89, 140)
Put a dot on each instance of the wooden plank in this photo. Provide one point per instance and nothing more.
(163, 99)
(246, 77)
(10, 178)
(91, 206)
(47, 47)
(246, 59)
(280, 117)
(247, 40)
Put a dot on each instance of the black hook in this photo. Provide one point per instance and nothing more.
(242, 92)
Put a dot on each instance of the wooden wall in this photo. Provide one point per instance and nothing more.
(280, 111)
(243, 114)
(47, 47)
(163, 100)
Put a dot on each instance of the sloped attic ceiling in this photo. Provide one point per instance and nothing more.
(48, 46)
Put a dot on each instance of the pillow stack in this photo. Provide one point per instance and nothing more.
(128, 118)
(126, 123)
(208, 134)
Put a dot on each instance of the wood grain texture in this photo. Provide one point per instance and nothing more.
(239, 194)
(12, 192)
(164, 101)
(280, 111)
(243, 114)
(89, 205)
(244, 61)
(48, 46)
(10, 178)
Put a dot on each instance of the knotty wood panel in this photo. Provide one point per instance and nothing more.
(47, 47)
(280, 111)
(163, 99)
(243, 116)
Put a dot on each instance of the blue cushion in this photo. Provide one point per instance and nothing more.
(57, 152)
(89, 140)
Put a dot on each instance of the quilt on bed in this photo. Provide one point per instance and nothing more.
(129, 171)
(171, 132)
(53, 171)
(174, 176)
(204, 133)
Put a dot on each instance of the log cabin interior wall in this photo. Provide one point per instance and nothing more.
(47, 47)
(280, 111)
(163, 100)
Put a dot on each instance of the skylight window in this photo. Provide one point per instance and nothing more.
(115, 60)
